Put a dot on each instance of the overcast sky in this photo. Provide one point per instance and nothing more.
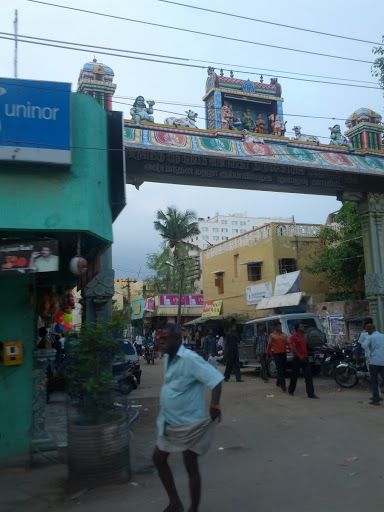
(133, 231)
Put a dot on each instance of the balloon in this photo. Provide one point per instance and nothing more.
(67, 318)
(68, 326)
(59, 328)
(59, 317)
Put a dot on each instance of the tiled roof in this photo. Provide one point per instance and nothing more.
(237, 81)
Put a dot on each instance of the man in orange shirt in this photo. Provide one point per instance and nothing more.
(278, 344)
(300, 360)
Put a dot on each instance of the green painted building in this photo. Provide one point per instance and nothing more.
(62, 182)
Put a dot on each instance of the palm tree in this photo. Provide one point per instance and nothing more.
(176, 227)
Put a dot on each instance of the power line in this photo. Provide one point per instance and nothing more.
(186, 59)
(39, 42)
(231, 15)
(217, 36)
(218, 108)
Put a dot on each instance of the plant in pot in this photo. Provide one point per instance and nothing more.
(98, 441)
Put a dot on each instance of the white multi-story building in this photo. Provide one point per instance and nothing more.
(219, 228)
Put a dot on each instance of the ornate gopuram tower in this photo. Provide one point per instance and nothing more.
(365, 129)
(96, 80)
(234, 104)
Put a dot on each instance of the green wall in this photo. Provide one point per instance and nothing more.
(16, 323)
(58, 198)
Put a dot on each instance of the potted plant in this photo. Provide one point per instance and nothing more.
(98, 440)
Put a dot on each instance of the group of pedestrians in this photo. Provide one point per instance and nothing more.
(277, 344)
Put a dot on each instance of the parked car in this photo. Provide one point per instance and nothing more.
(313, 330)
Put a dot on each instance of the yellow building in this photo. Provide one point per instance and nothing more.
(256, 258)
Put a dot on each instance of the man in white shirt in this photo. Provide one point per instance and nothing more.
(375, 343)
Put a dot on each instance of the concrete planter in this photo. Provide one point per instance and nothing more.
(98, 454)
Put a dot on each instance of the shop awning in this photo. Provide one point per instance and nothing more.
(205, 319)
(280, 301)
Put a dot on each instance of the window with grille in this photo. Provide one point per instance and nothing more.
(287, 265)
(254, 271)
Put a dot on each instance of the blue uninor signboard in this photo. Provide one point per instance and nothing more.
(35, 121)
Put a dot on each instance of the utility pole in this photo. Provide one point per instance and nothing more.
(15, 23)
(182, 270)
(129, 305)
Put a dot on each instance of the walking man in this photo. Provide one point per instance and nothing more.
(182, 423)
(300, 360)
(209, 344)
(375, 343)
(278, 345)
(231, 354)
(260, 349)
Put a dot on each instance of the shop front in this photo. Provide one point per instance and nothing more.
(60, 190)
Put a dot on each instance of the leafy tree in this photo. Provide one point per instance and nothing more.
(341, 263)
(175, 227)
(378, 64)
(166, 278)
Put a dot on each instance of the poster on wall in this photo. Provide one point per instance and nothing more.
(29, 257)
(212, 308)
(336, 325)
(287, 283)
(257, 292)
(149, 305)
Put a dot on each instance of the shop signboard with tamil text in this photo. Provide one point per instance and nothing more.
(35, 121)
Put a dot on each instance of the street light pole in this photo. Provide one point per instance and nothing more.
(182, 269)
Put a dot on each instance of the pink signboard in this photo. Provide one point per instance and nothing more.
(149, 305)
(189, 301)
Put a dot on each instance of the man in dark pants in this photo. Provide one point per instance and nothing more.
(300, 360)
(231, 354)
(278, 344)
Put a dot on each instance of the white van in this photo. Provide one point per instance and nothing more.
(313, 330)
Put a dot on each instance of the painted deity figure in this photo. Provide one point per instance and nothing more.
(260, 124)
(229, 121)
(226, 116)
(338, 139)
(276, 124)
(248, 122)
(140, 112)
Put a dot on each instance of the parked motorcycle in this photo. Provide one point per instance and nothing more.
(149, 353)
(123, 374)
(352, 368)
(332, 356)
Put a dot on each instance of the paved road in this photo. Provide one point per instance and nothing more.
(271, 452)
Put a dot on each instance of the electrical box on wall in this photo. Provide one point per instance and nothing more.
(12, 353)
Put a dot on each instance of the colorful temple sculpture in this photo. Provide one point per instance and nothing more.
(365, 129)
(234, 104)
(244, 147)
(96, 79)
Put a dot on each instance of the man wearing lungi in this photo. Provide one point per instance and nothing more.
(183, 423)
